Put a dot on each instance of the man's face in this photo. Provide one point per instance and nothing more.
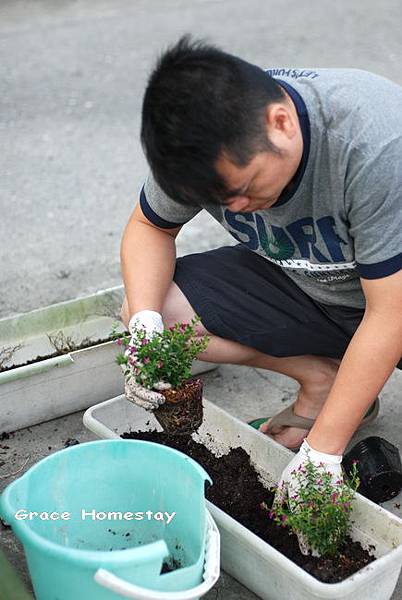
(259, 184)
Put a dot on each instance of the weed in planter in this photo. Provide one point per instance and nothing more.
(64, 344)
(6, 355)
(168, 357)
(319, 512)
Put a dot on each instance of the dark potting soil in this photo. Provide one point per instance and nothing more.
(237, 490)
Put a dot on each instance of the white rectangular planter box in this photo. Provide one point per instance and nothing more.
(73, 381)
(246, 557)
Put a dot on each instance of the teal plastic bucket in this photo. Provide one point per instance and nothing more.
(115, 483)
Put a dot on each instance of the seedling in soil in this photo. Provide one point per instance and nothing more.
(319, 511)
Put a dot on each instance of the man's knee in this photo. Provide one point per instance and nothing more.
(177, 309)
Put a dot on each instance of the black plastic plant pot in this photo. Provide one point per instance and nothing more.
(379, 468)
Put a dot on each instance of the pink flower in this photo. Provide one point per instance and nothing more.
(144, 342)
(319, 482)
(271, 514)
(334, 496)
(119, 342)
(160, 364)
(133, 349)
(355, 461)
(283, 518)
(147, 360)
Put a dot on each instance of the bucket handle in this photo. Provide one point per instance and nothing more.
(210, 575)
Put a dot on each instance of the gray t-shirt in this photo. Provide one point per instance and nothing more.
(343, 218)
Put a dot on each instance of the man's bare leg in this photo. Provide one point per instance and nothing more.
(314, 374)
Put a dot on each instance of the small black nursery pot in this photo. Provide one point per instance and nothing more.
(379, 468)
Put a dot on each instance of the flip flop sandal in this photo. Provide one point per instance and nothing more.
(287, 418)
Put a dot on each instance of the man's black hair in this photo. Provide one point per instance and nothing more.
(200, 102)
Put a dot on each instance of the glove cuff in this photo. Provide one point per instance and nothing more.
(148, 319)
(317, 457)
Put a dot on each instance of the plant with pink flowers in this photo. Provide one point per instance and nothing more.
(319, 511)
(165, 357)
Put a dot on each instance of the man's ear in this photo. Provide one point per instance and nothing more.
(238, 203)
(279, 121)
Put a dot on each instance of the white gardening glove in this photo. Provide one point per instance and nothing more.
(148, 320)
(151, 322)
(289, 485)
(141, 395)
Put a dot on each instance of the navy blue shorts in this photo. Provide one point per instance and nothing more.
(241, 296)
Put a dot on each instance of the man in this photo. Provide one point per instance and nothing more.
(303, 168)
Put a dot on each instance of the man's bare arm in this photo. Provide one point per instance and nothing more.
(372, 354)
(148, 256)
